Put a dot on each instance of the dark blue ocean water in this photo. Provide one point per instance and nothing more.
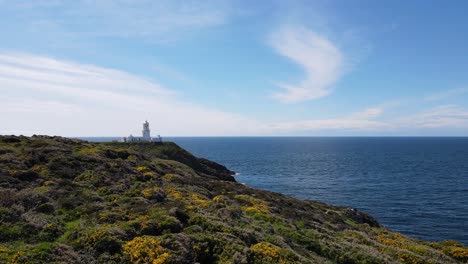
(417, 186)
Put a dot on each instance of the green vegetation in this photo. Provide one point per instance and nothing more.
(70, 201)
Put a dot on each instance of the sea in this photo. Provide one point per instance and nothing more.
(414, 185)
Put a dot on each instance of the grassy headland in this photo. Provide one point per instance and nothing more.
(70, 201)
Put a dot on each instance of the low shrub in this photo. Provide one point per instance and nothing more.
(102, 239)
(266, 253)
(145, 249)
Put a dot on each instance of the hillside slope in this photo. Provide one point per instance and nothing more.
(70, 201)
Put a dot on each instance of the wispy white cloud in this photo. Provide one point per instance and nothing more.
(47, 74)
(357, 121)
(446, 94)
(368, 113)
(321, 60)
(42, 95)
(60, 97)
(345, 124)
(53, 96)
(443, 116)
(161, 20)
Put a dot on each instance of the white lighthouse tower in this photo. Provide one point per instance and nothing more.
(146, 132)
(146, 136)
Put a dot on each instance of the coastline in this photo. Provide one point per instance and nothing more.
(111, 202)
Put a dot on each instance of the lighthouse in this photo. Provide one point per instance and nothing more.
(146, 136)
(146, 131)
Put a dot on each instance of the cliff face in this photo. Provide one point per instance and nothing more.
(69, 201)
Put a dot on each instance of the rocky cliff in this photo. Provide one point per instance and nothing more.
(70, 201)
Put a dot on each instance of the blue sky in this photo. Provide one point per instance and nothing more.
(234, 68)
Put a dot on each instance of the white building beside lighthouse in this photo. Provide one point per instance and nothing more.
(146, 136)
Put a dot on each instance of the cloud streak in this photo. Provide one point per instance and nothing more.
(446, 94)
(53, 96)
(321, 60)
(442, 116)
(42, 95)
(60, 97)
(159, 20)
(364, 120)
